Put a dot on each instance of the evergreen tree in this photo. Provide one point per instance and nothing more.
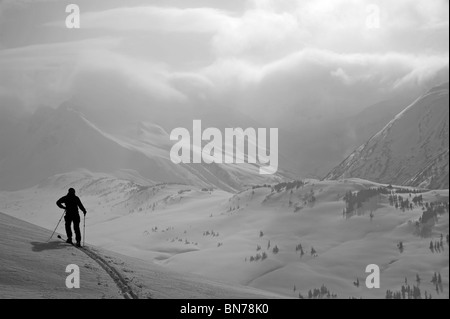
(400, 247)
(388, 294)
(434, 279)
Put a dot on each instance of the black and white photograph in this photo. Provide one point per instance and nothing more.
(224, 154)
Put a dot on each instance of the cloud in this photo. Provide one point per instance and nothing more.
(7, 4)
(383, 68)
(40, 74)
(313, 84)
(270, 28)
(45, 74)
(152, 78)
(296, 54)
(341, 74)
(261, 35)
(202, 20)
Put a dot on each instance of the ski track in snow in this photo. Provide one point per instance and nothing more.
(125, 289)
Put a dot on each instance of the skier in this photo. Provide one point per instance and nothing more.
(71, 204)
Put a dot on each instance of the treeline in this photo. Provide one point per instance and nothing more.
(405, 204)
(287, 186)
(261, 186)
(406, 191)
(438, 246)
(432, 210)
(355, 200)
(406, 293)
(320, 293)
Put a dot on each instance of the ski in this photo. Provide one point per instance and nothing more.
(74, 245)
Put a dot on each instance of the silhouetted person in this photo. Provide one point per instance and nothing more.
(71, 204)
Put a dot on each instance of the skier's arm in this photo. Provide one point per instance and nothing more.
(80, 205)
(60, 203)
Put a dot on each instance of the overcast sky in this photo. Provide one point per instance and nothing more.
(277, 59)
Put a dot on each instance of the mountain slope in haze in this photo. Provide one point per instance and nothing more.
(372, 119)
(318, 146)
(63, 140)
(11, 113)
(411, 150)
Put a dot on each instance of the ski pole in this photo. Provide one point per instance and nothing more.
(56, 226)
(84, 229)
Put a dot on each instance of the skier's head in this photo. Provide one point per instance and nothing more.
(71, 191)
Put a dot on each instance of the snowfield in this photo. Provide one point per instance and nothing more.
(33, 267)
(213, 234)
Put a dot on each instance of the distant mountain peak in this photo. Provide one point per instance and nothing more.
(412, 149)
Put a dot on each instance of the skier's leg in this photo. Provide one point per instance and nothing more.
(76, 226)
(68, 221)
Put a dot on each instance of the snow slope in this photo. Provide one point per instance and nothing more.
(63, 140)
(411, 150)
(215, 233)
(32, 267)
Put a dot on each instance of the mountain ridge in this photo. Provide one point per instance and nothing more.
(404, 151)
(56, 141)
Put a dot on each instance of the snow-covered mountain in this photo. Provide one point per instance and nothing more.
(411, 150)
(63, 140)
